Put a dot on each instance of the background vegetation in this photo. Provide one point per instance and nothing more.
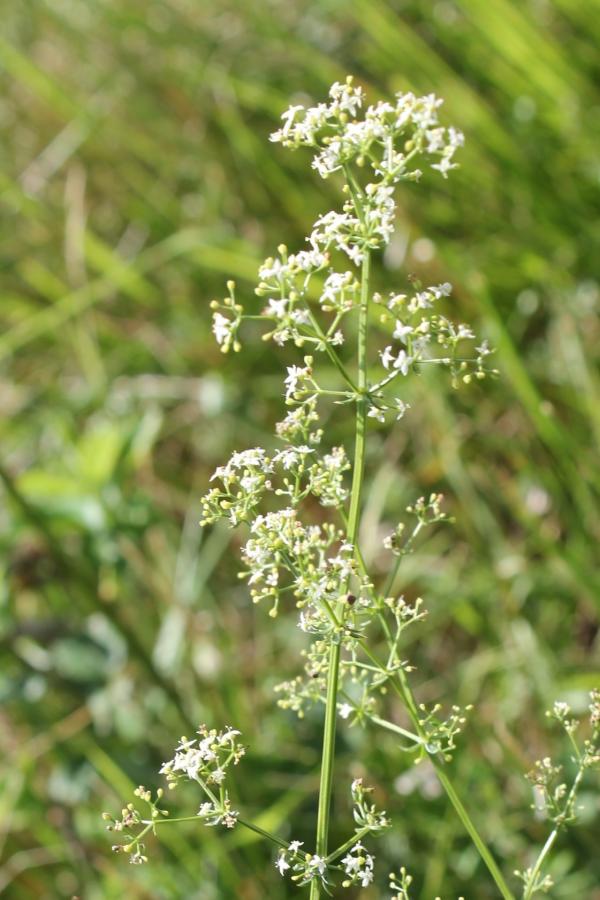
(136, 176)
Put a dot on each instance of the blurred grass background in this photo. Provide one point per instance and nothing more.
(136, 177)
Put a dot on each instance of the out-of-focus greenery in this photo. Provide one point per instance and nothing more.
(136, 177)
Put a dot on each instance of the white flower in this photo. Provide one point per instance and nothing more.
(359, 865)
(346, 97)
(354, 253)
(288, 117)
(277, 308)
(402, 361)
(282, 864)
(318, 864)
(376, 413)
(441, 290)
(387, 357)
(345, 710)
(294, 846)
(402, 331)
(456, 138)
(294, 375)
(222, 328)
(444, 166)
(291, 456)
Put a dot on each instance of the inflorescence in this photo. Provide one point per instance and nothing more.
(297, 556)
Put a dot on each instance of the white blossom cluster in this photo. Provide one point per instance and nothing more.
(284, 281)
(290, 472)
(299, 381)
(423, 337)
(326, 478)
(206, 760)
(243, 483)
(298, 424)
(355, 862)
(386, 141)
(303, 867)
(358, 867)
(555, 797)
(283, 554)
(340, 138)
(226, 324)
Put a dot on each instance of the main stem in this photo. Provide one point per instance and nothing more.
(333, 672)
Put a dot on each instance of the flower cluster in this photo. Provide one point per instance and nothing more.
(424, 337)
(555, 797)
(297, 426)
(439, 734)
(283, 554)
(356, 864)
(426, 512)
(400, 884)
(326, 478)
(206, 761)
(131, 818)
(284, 281)
(245, 479)
(225, 327)
(358, 867)
(305, 867)
(365, 814)
(206, 758)
(341, 139)
(243, 483)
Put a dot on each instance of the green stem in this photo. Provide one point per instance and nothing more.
(333, 672)
(403, 690)
(329, 350)
(391, 726)
(152, 823)
(356, 837)
(470, 828)
(529, 888)
(537, 868)
(261, 831)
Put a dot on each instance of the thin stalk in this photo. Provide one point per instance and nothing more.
(391, 726)
(356, 837)
(538, 864)
(403, 690)
(333, 672)
(329, 350)
(152, 823)
(470, 828)
(537, 868)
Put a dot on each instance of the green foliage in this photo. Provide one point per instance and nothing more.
(136, 178)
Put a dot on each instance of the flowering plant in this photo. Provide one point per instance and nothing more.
(318, 299)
